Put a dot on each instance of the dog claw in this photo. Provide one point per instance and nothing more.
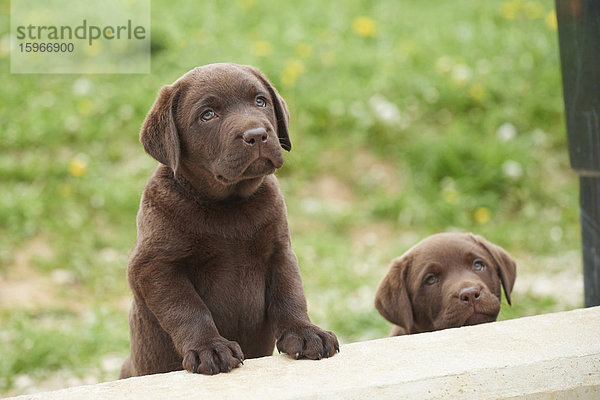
(297, 356)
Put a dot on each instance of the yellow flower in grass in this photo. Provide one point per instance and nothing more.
(247, 4)
(291, 72)
(64, 190)
(303, 50)
(482, 215)
(450, 195)
(93, 50)
(77, 167)
(85, 107)
(510, 9)
(477, 91)
(365, 26)
(551, 20)
(262, 48)
(533, 10)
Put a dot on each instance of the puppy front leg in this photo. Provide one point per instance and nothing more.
(295, 334)
(172, 299)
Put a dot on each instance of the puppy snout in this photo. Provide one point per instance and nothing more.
(256, 135)
(469, 295)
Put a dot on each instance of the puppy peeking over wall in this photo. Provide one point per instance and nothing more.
(213, 274)
(447, 280)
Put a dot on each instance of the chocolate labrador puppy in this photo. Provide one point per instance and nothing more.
(445, 281)
(213, 274)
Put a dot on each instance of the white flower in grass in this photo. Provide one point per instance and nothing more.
(461, 74)
(82, 86)
(384, 110)
(512, 169)
(72, 123)
(506, 132)
(539, 137)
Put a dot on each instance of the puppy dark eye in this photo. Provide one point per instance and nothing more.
(208, 115)
(431, 280)
(478, 266)
(261, 101)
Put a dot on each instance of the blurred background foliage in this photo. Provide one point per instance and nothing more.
(407, 118)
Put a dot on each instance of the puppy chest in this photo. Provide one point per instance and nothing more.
(238, 306)
(233, 287)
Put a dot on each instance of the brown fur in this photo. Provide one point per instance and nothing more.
(462, 295)
(213, 274)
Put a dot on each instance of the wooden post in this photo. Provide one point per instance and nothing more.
(579, 39)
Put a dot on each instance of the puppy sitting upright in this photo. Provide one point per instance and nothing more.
(447, 280)
(213, 274)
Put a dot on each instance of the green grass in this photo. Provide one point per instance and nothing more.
(360, 188)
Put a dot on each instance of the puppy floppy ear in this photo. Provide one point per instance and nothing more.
(281, 111)
(159, 134)
(392, 299)
(507, 268)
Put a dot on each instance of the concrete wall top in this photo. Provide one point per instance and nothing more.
(551, 356)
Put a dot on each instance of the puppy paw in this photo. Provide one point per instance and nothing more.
(308, 341)
(214, 356)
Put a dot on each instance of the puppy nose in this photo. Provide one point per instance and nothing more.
(470, 294)
(255, 135)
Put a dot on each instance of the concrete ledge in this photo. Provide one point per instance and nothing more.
(552, 356)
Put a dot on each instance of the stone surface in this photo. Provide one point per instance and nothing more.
(552, 356)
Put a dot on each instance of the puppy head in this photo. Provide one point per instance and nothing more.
(447, 280)
(224, 122)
